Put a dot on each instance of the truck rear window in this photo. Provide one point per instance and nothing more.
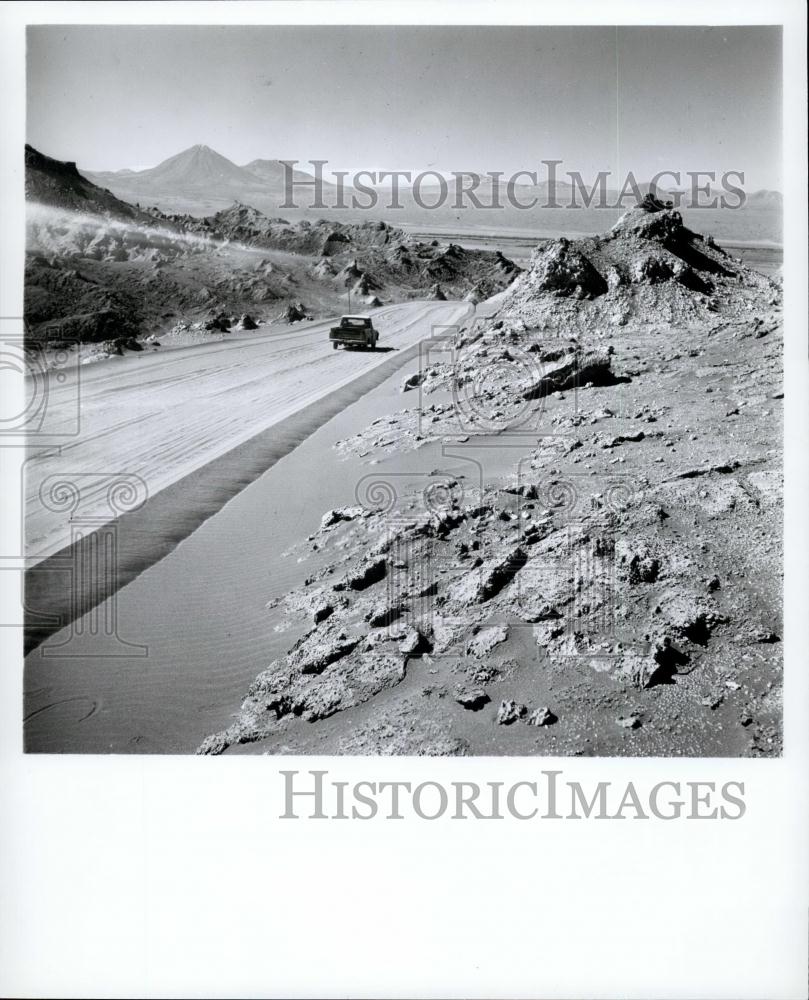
(355, 323)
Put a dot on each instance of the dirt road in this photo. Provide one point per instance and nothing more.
(157, 417)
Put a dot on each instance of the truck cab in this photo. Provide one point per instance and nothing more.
(354, 331)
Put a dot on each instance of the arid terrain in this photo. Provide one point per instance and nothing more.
(103, 277)
(592, 565)
(544, 519)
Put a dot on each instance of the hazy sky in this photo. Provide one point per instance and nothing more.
(476, 98)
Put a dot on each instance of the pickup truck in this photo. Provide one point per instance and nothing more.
(354, 331)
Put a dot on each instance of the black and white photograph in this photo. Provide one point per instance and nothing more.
(413, 399)
(405, 421)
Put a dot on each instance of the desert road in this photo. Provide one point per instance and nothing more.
(154, 418)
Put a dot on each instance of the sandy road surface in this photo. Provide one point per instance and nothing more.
(161, 416)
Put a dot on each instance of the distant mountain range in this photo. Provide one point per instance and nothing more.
(200, 181)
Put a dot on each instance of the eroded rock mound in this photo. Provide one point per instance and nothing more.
(648, 267)
(563, 269)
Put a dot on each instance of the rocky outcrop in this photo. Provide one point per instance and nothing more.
(598, 580)
(572, 371)
(563, 270)
(648, 267)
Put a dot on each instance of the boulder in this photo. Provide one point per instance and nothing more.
(338, 514)
(484, 641)
(295, 312)
(542, 717)
(510, 711)
(218, 321)
(472, 698)
(572, 371)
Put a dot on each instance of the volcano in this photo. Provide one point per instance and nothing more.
(200, 180)
(198, 166)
